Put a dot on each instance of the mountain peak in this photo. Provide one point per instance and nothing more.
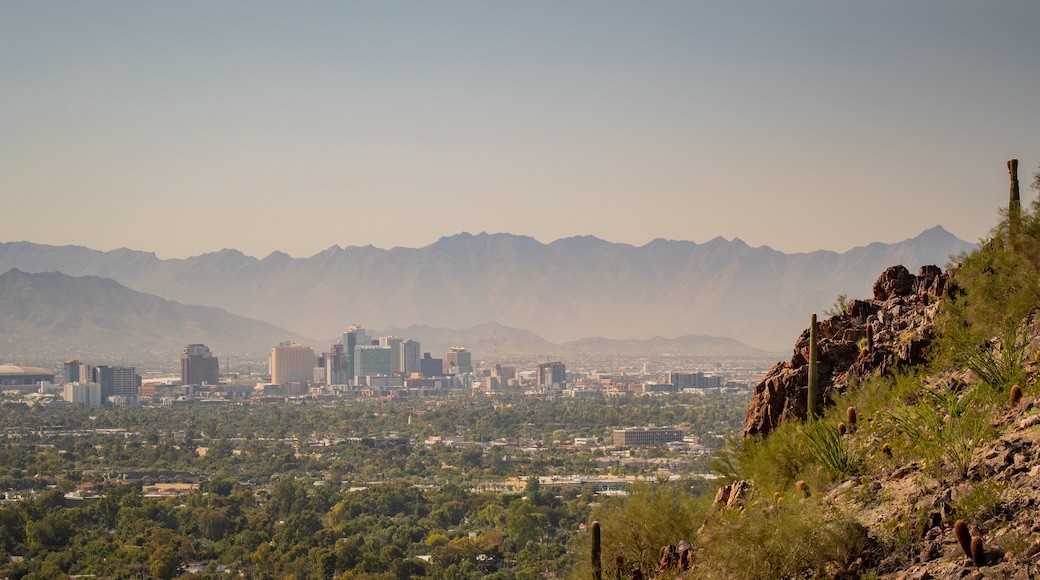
(936, 232)
(277, 257)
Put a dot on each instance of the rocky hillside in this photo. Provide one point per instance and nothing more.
(916, 469)
(920, 460)
(899, 320)
(1000, 478)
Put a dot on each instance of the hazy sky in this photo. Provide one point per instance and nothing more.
(187, 127)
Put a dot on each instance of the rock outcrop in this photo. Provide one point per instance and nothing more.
(900, 317)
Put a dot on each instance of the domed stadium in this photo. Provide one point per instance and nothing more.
(14, 377)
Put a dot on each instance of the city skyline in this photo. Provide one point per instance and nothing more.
(186, 129)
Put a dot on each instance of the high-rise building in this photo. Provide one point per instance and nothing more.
(335, 363)
(118, 382)
(410, 357)
(394, 342)
(551, 373)
(87, 394)
(372, 361)
(77, 372)
(72, 368)
(507, 372)
(354, 336)
(199, 366)
(457, 361)
(292, 363)
(431, 367)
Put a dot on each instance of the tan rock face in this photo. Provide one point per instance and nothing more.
(901, 315)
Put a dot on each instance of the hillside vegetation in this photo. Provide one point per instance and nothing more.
(924, 470)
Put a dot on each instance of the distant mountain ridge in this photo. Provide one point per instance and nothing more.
(490, 337)
(92, 314)
(565, 290)
(88, 315)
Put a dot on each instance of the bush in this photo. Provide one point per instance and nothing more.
(1000, 365)
(774, 463)
(634, 529)
(944, 429)
(798, 540)
(996, 285)
(830, 449)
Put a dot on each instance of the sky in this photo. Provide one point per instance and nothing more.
(187, 127)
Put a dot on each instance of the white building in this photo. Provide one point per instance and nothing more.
(292, 363)
(89, 394)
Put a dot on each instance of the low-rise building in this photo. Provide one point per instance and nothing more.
(639, 436)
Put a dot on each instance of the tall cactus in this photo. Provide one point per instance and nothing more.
(1015, 200)
(814, 379)
(870, 338)
(597, 566)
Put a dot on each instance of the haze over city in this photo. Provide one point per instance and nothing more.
(262, 126)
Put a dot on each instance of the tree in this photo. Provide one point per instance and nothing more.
(522, 523)
(164, 563)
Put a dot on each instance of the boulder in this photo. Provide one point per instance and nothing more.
(895, 281)
(901, 316)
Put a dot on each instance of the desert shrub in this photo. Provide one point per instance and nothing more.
(774, 463)
(633, 529)
(828, 448)
(980, 503)
(799, 539)
(902, 536)
(945, 428)
(999, 363)
(881, 393)
(997, 284)
(840, 306)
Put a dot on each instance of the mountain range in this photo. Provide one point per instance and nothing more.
(490, 337)
(564, 291)
(90, 315)
(53, 313)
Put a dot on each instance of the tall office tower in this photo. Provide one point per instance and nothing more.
(394, 342)
(116, 382)
(72, 371)
(551, 373)
(431, 367)
(372, 361)
(89, 394)
(77, 372)
(199, 366)
(410, 357)
(335, 365)
(458, 361)
(354, 336)
(292, 363)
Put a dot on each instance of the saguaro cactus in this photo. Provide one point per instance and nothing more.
(597, 566)
(1015, 200)
(814, 379)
